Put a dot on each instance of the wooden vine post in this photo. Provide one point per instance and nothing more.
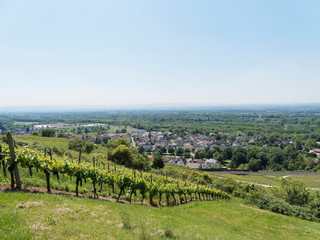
(150, 194)
(14, 171)
(47, 172)
(55, 172)
(95, 195)
(2, 162)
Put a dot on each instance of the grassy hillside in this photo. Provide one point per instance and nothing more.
(311, 181)
(60, 145)
(52, 216)
(45, 216)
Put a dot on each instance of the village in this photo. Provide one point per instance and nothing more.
(179, 149)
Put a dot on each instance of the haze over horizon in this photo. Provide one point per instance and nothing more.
(105, 53)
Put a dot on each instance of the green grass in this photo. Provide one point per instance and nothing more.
(113, 128)
(62, 145)
(312, 181)
(46, 216)
(273, 180)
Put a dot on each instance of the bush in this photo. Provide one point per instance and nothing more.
(297, 194)
(48, 132)
(282, 207)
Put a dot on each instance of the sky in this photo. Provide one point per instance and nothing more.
(107, 53)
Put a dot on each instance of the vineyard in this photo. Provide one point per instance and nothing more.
(119, 181)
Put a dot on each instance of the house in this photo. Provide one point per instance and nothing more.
(316, 151)
(194, 165)
(244, 144)
(235, 145)
(212, 163)
(169, 161)
(147, 148)
(181, 162)
(206, 166)
(137, 131)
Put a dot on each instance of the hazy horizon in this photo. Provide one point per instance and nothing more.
(107, 53)
(295, 107)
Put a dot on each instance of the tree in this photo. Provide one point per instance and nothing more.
(35, 133)
(163, 150)
(239, 157)
(48, 132)
(140, 162)
(62, 135)
(186, 155)
(122, 155)
(105, 140)
(141, 150)
(98, 141)
(297, 193)
(158, 161)
(297, 145)
(171, 150)
(254, 165)
(81, 145)
(179, 152)
(200, 154)
(118, 142)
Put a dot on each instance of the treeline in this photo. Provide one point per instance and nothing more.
(287, 124)
(257, 158)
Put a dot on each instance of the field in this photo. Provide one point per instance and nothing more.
(66, 217)
(274, 180)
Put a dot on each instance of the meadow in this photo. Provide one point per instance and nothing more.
(47, 216)
(273, 180)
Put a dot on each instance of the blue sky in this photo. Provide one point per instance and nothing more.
(58, 52)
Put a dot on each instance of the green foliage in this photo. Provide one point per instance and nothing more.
(295, 202)
(48, 132)
(78, 144)
(283, 207)
(158, 161)
(122, 155)
(118, 142)
(179, 151)
(124, 179)
(140, 162)
(254, 165)
(296, 192)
